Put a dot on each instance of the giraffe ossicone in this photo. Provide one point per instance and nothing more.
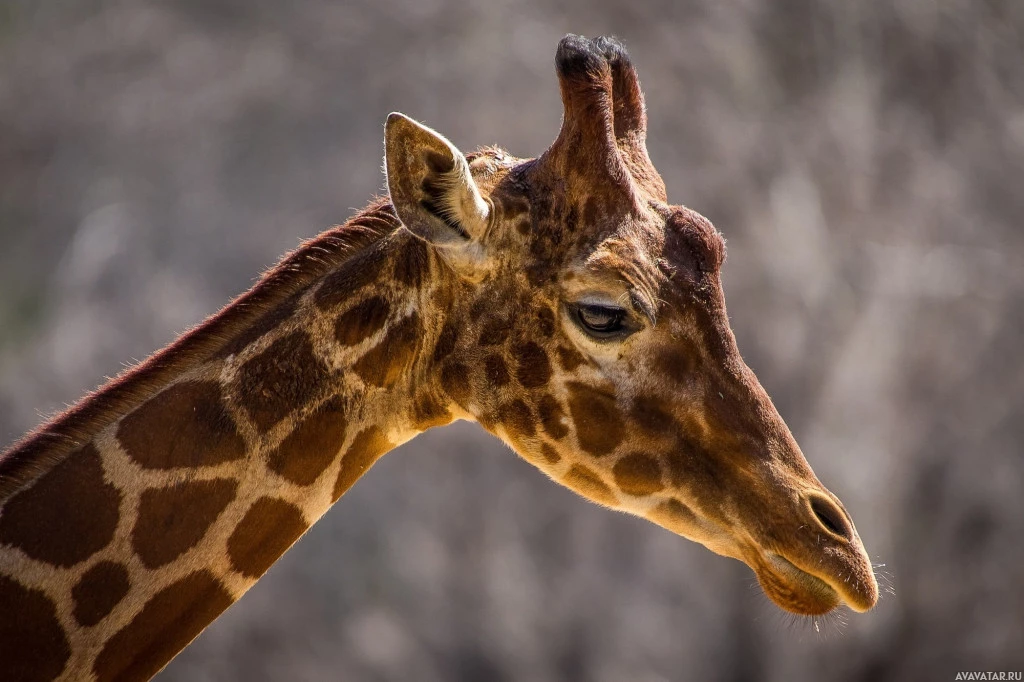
(561, 302)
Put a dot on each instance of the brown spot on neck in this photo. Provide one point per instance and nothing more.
(455, 382)
(174, 519)
(166, 624)
(282, 378)
(495, 331)
(266, 531)
(366, 448)
(358, 272)
(412, 262)
(33, 646)
(68, 515)
(496, 371)
(266, 323)
(392, 358)
(312, 446)
(184, 426)
(429, 412)
(446, 340)
(99, 590)
(362, 321)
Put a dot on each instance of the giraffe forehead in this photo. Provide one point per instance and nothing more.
(581, 243)
(601, 235)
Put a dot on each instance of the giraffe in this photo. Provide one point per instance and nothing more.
(561, 302)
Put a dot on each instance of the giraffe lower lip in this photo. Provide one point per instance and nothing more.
(796, 590)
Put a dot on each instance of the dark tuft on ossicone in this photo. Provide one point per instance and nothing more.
(577, 57)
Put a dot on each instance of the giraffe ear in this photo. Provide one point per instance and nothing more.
(432, 189)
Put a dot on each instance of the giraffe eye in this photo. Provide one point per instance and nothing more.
(601, 321)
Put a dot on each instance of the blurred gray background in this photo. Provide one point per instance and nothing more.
(864, 160)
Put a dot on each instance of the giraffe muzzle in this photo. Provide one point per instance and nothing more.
(820, 566)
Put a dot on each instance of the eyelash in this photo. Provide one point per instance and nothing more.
(602, 321)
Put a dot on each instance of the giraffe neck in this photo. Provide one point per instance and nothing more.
(130, 523)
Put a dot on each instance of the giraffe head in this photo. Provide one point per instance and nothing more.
(584, 323)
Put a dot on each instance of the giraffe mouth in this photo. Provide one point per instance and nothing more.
(794, 589)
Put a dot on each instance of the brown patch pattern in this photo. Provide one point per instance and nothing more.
(390, 359)
(312, 446)
(446, 340)
(690, 463)
(545, 322)
(428, 412)
(67, 515)
(411, 263)
(99, 590)
(480, 306)
(599, 426)
(267, 322)
(164, 626)
(638, 474)
(569, 358)
(33, 646)
(550, 454)
(517, 418)
(534, 368)
(676, 363)
(362, 321)
(495, 331)
(338, 287)
(455, 382)
(496, 371)
(368, 445)
(589, 484)
(193, 411)
(552, 417)
(674, 515)
(173, 519)
(266, 531)
(283, 377)
(646, 412)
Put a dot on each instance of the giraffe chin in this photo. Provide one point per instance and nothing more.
(793, 589)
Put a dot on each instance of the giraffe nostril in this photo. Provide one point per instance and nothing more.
(831, 517)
